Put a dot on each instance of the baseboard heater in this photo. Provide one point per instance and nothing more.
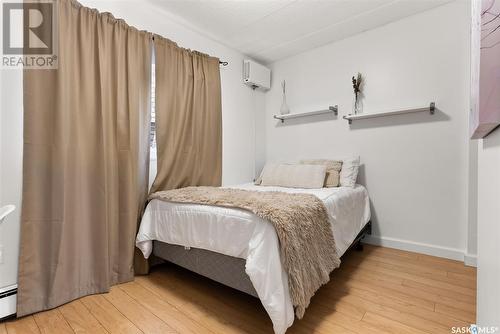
(8, 299)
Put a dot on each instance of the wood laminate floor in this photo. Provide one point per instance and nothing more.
(379, 290)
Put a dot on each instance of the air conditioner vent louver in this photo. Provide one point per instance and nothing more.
(256, 75)
(246, 70)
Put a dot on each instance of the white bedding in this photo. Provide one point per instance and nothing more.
(242, 234)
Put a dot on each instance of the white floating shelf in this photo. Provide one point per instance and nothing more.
(430, 109)
(331, 109)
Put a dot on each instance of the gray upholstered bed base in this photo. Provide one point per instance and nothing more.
(221, 268)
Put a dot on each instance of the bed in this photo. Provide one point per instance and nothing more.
(237, 248)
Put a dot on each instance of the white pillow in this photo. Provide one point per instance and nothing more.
(349, 172)
(294, 175)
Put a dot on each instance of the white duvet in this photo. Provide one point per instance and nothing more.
(242, 234)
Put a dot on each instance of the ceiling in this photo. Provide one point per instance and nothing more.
(270, 30)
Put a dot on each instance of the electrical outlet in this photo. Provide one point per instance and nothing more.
(1, 254)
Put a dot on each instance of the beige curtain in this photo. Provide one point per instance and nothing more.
(188, 117)
(85, 174)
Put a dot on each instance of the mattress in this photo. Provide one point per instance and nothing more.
(348, 209)
(242, 234)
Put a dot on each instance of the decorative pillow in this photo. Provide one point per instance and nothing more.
(258, 180)
(333, 168)
(293, 176)
(349, 172)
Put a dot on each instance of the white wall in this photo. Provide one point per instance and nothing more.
(472, 191)
(237, 108)
(11, 150)
(488, 259)
(414, 166)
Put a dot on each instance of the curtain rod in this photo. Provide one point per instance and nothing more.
(223, 63)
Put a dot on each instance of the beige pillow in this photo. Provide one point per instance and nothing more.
(333, 168)
(293, 175)
(258, 180)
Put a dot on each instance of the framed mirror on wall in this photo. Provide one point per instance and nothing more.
(485, 67)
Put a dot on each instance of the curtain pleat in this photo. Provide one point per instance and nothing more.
(85, 164)
(188, 117)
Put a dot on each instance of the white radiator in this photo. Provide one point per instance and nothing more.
(8, 298)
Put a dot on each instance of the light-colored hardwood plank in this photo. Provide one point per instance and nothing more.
(340, 319)
(451, 285)
(327, 302)
(424, 295)
(181, 322)
(455, 295)
(25, 325)
(459, 276)
(141, 317)
(379, 291)
(248, 306)
(373, 275)
(449, 265)
(108, 316)
(409, 265)
(390, 252)
(381, 304)
(405, 314)
(324, 321)
(80, 319)
(52, 321)
(389, 290)
(464, 315)
(451, 278)
(427, 260)
(390, 326)
(235, 308)
(207, 316)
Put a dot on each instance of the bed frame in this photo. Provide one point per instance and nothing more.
(221, 268)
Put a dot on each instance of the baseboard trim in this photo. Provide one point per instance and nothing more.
(411, 246)
(470, 260)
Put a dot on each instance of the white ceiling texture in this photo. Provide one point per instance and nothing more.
(270, 30)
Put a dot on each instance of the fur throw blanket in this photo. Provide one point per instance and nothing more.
(307, 246)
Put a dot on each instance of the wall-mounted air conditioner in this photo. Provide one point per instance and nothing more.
(256, 75)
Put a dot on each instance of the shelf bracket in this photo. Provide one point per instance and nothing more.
(432, 108)
(347, 118)
(281, 119)
(335, 109)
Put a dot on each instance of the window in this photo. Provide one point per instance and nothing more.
(153, 114)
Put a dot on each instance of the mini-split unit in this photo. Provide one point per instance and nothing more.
(256, 75)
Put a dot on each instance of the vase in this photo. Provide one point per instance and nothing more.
(284, 110)
(357, 105)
